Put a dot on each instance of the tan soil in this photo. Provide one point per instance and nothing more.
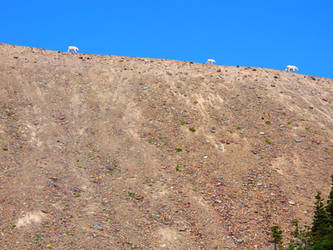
(88, 155)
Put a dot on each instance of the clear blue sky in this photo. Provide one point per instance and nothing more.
(259, 33)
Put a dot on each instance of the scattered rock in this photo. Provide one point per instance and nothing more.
(61, 117)
(239, 241)
(291, 202)
(316, 142)
(138, 197)
(187, 205)
(98, 227)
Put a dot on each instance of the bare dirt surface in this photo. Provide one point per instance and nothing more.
(111, 152)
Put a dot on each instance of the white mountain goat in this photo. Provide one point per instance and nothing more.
(72, 49)
(291, 68)
(211, 61)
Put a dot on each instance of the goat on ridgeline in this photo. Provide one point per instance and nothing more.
(291, 68)
(211, 61)
(72, 49)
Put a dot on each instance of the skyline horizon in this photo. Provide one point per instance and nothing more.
(250, 34)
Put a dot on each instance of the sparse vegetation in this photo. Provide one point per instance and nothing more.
(320, 235)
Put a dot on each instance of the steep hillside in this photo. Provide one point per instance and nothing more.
(110, 152)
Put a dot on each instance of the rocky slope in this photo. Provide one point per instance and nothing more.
(110, 152)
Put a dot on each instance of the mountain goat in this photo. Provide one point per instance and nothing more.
(211, 61)
(291, 68)
(72, 49)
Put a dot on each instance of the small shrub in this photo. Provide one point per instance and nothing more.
(182, 123)
(192, 129)
(37, 240)
(268, 122)
(268, 141)
(277, 236)
(179, 149)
